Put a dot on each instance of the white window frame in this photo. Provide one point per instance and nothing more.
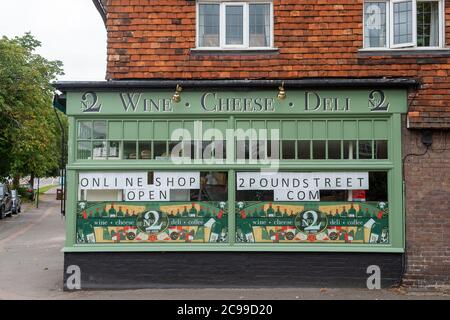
(413, 43)
(246, 25)
(390, 27)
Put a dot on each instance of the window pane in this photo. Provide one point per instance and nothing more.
(349, 149)
(99, 149)
(242, 149)
(99, 129)
(304, 149)
(334, 149)
(381, 150)
(288, 149)
(428, 24)
(259, 25)
(145, 150)
(129, 149)
(84, 130)
(220, 149)
(114, 149)
(319, 149)
(365, 149)
(375, 24)
(159, 149)
(209, 25)
(84, 150)
(403, 22)
(234, 25)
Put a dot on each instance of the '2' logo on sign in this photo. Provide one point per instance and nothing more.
(377, 101)
(89, 102)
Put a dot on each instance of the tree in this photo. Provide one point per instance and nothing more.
(29, 130)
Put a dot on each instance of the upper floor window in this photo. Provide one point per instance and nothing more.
(392, 24)
(234, 25)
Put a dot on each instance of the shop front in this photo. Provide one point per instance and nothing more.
(174, 189)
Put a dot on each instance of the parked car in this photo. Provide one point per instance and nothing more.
(27, 191)
(16, 202)
(5, 201)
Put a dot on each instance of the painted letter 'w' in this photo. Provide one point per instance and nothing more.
(130, 99)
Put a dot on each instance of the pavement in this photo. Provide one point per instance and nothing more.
(31, 264)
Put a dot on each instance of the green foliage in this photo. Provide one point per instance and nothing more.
(29, 130)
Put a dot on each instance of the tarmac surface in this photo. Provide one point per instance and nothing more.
(31, 264)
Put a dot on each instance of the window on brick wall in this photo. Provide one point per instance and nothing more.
(234, 25)
(393, 24)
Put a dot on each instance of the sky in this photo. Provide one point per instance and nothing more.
(70, 30)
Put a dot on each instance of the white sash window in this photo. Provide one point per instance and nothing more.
(234, 25)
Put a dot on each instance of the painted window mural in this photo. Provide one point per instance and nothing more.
(343, 208)
(168, 207)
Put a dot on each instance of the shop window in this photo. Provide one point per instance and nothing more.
(403, 24)
(160, 206)
(288, 149)
(365, 149)
(234, 25)
(304, 149)
(129, 150)
(319, 149)
(381, 149)
(334, 149)
(269, 208)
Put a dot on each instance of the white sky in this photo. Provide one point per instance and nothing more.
(70, 30)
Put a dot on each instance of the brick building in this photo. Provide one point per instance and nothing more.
(386, 49)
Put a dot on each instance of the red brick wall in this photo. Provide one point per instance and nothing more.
(427, 211)
(151, 39)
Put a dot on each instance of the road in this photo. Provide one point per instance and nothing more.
(31, 268)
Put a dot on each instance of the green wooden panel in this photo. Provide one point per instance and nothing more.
(335, 130)
(160, 130)
(289, 130)
(207, 124)
(258, 124)
(243, 124)
(350, 130)
(380, 129)
(145, 130)
(319, 129)
(130, 129)
(304, 130)
(115, 130)
(365, 130)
